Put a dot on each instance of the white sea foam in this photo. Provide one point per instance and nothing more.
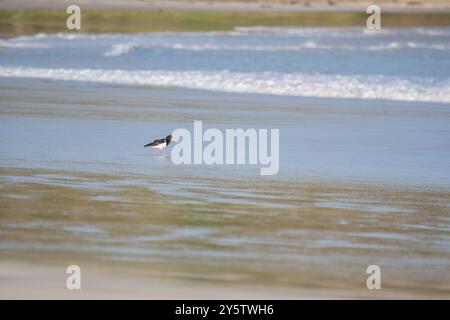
(394, 45)
(296, 84)
(300, 39)
(120, 49)
(21, 45)
(330, 32)
(437, 32)
(125, 48)
(341, 32)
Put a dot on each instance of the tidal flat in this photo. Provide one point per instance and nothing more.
(228, 233)
(77, 187)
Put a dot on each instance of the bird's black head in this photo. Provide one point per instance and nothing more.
(169, 138)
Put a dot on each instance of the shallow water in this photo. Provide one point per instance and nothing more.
(321, 139)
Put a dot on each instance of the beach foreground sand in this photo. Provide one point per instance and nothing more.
(22, 280)
(28, 280)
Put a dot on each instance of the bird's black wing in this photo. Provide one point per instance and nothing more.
(155, 143)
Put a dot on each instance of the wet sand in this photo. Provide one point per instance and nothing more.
(303, 240)
(77, 187)
(306, 240)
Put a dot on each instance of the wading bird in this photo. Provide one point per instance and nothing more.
(160, 143)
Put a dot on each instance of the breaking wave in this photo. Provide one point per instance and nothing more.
(292, 84)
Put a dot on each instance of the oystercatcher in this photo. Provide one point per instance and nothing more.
(160, 143)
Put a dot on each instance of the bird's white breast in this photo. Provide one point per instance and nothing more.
(160, 146)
